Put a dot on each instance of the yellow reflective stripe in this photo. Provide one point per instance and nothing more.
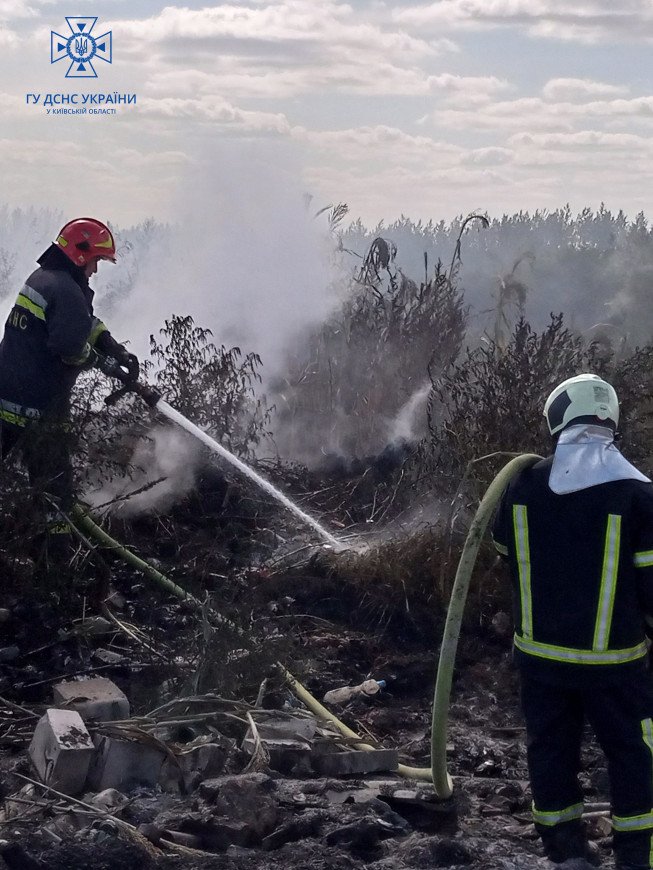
(608, 583)
(20, 410)
(108, 244)
(32, 307)
(14, 419)
(34, 296)
(96, 331)
(549, 819)
(647, 736)
(500, 548)
(61, 241)
(522, 549)
(580, 656)
(643, 559)
(633, 823)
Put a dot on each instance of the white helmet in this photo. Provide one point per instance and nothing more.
(586, 396)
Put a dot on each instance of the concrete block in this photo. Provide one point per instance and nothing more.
(291, 728)
(61, 750)
(356, 762)
(288, 740)
(124, 764)
(96, 700)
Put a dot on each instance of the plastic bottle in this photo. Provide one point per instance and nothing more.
(346, 693)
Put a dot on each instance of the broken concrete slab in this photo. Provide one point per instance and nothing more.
(124, 764)
(61, 750)
(248, 796)
(356, 762)
(108, 657)
(284, 727)
(195, 763)
(288, 741)
(96, 700)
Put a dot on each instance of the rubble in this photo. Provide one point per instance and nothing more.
(356, 762)
(124, 764)
(266, 785)
(61, 750)
(287, 740)
(96, 700)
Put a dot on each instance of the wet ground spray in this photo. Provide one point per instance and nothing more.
(260, 481)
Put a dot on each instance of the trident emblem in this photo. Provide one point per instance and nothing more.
(80, 47)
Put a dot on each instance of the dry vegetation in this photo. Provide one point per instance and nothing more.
(395, 340)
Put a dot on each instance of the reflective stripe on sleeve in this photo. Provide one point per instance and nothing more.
(17, 415)
(568, 814)
(25, 302)
(34, 296)
(522, 549)
(96, 331)
(643, 559)
(608, 583)
(580, 656)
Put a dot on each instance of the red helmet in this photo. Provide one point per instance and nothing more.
(84, 239)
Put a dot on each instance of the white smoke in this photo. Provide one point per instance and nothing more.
(167, 458)
(245, 258)
(410, 422)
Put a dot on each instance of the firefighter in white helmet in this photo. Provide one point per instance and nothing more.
(577, 532)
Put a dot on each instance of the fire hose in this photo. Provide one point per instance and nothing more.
(437, 773)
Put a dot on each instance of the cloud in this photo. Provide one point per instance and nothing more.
(557, 90)
(534, 113)
(279, 48)
(213, 109)
(243, 81)
(466, 89)
(380, 145)
(12, 9)
(8, 38)
(586, 21)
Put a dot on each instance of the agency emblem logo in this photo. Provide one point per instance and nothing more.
(80, 47)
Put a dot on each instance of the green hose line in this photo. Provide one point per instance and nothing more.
(442, 782)
(437, 773)
(85, 524)
(319, 710)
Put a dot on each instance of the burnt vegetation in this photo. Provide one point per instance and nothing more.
(386, 423)
(380, 425)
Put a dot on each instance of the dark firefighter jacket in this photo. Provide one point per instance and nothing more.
(581, 567)
(47, 340)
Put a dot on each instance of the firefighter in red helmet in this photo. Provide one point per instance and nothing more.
(51, 335)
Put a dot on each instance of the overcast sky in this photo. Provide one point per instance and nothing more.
(425, 109)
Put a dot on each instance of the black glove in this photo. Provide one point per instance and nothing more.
(123, 366)
(107, 346)
(128, 361)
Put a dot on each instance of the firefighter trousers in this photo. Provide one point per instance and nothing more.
(44, 448)
(620, 713)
